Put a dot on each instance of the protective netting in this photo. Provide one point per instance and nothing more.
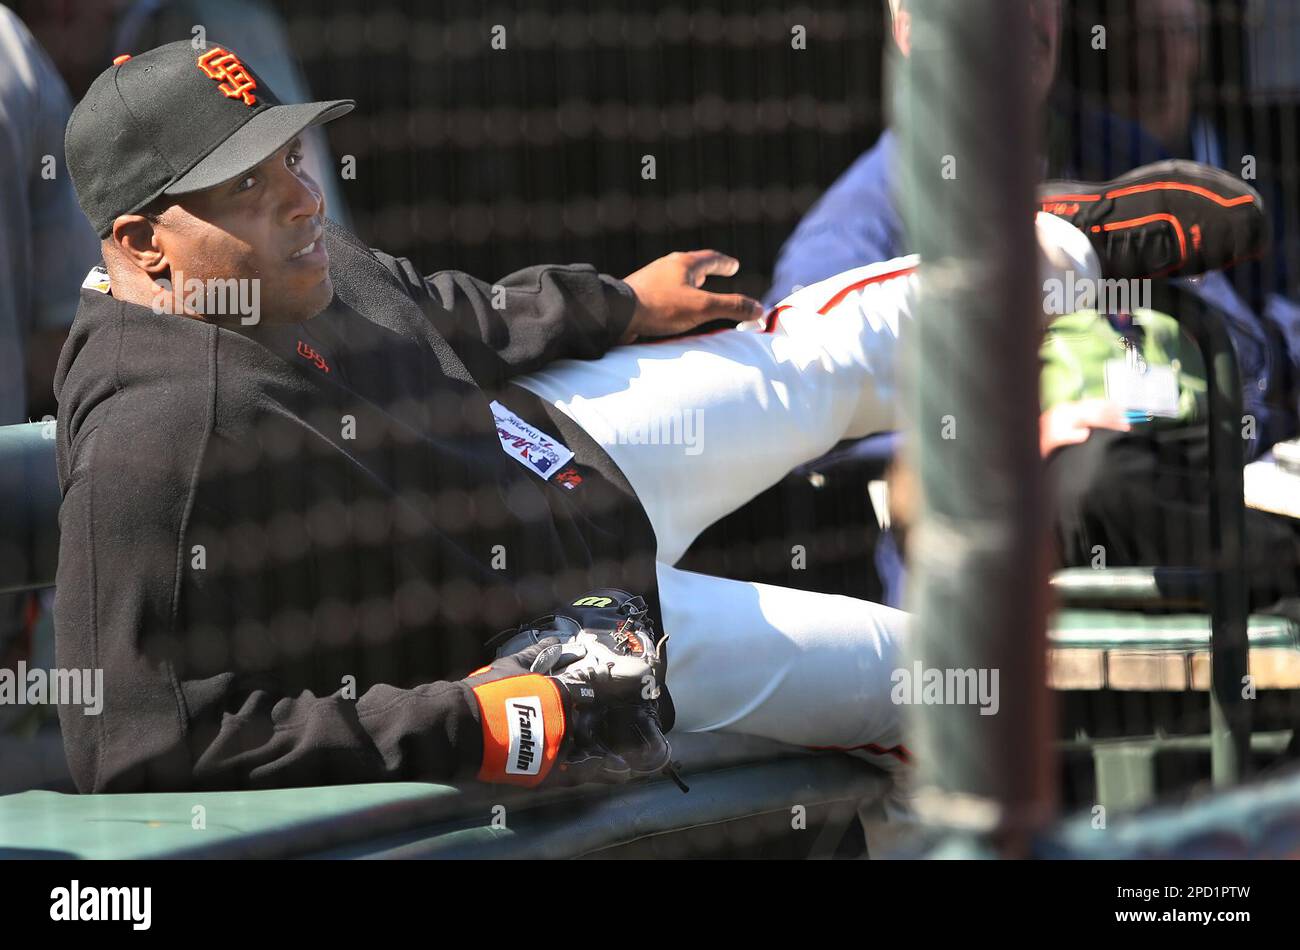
(490, 139)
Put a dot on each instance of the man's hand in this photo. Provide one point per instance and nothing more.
(538, 727)
(669, 301)
(602, 654)
(1070, 423)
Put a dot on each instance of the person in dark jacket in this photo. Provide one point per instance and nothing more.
(304, 484)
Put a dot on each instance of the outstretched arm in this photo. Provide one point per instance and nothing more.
(535, 316)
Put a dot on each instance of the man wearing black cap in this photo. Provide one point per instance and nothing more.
(366, 450)
(288, 527)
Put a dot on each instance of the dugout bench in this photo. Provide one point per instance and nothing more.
(748, 797)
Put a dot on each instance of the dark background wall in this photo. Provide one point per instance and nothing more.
(489, 160)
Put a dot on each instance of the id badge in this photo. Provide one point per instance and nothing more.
(1143, 389)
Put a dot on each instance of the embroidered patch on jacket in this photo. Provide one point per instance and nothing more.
(568, 478)
(529, 445)
(306, 352)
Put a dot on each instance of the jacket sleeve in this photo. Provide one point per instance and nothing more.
(248, 736)
(523, 321)
(200, 695)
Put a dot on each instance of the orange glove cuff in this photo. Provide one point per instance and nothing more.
(523, 726)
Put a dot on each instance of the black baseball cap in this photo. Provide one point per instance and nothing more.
(173, 121)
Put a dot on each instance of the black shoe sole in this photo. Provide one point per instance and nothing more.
(1171, 219)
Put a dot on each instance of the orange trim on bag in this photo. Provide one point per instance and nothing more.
(1155, 186)
(1179, 186)
(1062, 209)
(1138, 222)
(1055, 198)
(517, 708)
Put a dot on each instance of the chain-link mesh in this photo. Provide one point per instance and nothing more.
(490, 139)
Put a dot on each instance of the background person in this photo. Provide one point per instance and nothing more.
(45, 249)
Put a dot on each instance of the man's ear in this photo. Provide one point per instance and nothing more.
(903, 32)
(136, 240)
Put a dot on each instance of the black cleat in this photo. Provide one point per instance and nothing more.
(1170, 219)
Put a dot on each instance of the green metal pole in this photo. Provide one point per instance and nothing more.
(979, 553)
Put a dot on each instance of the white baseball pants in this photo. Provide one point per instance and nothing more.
(699, 426)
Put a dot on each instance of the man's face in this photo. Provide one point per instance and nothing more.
(255, 227)
(1165, 58)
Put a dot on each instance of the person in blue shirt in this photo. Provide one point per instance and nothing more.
(857, 221)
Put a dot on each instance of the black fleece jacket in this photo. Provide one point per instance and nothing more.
(285, 545)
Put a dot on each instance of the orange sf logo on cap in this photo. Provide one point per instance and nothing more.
(224, 66)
